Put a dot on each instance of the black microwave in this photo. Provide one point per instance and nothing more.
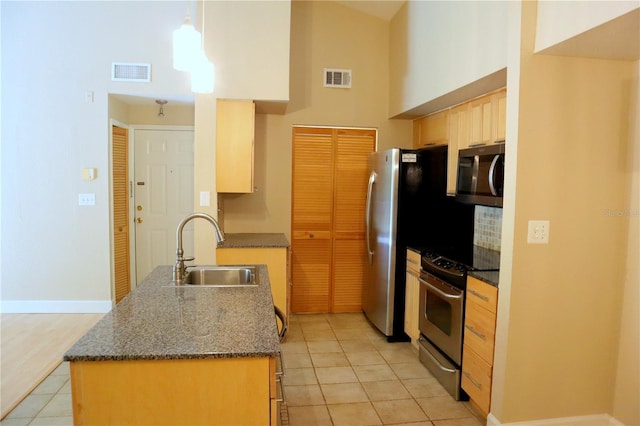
(481, 175)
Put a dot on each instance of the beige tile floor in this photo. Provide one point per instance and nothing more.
(49, 404)
(339, 370)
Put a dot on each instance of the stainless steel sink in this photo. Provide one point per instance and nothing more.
(221, 276)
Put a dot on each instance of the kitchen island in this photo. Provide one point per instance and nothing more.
(271, 249)
(180, 355)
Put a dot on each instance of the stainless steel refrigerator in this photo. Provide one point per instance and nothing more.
(406, 206)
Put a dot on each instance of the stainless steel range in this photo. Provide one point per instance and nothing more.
(442, 301)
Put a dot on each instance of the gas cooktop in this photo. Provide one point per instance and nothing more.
(451, 264)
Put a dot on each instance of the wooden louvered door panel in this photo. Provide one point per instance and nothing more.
(328, 198)
(120, 184)
(352, 148)
(311, 223)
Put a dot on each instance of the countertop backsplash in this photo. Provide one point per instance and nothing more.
(488, 227)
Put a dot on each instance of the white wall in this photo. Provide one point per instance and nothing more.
(55, 254)
(559, 21)
(248, 41)
(438, 47)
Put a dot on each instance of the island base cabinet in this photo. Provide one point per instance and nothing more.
(220, 391)
(276, 260)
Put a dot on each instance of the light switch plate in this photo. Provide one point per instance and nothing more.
(86, 199)
(538, 232)
(205, 198)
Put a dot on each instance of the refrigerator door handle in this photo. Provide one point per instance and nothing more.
(372, 180)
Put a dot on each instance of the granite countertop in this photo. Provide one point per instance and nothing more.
(254, 240)
(160, 321)
(489, 277)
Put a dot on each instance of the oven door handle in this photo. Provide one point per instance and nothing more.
(433, 359)
(440, 292)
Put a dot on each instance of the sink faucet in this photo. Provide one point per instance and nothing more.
(179, 269)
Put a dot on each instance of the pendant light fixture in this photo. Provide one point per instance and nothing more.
(186, 44)
(162, 103)
(203, 71)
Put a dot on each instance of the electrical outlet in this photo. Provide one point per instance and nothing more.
(538, 232)
(86, 199)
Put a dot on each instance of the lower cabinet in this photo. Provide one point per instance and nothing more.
(479, 342)
(222, 391)
(412, 297)
(276, 259)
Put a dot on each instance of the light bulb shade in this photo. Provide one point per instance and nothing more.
(186, 46)
(202, 75)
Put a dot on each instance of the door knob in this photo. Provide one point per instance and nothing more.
(139, 220)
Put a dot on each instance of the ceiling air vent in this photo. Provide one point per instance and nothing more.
(337, 78)
(121, 71)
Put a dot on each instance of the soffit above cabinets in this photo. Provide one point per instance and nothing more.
(618, 39)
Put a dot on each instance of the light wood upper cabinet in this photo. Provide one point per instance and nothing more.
(431, 130)
(488, 120)
(480, 122)
(458, 137)
(499, 109)
(235, 146)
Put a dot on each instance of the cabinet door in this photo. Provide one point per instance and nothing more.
(431, 130)
(234, 146)
(411, 311)
(499, 110)
(480, 121)
(458, 139)
(412, 297)
(482, 293)
(476, 379)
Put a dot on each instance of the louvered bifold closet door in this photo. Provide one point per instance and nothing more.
(352, 148)
(120, 161)
(329, 191)
(311, 221)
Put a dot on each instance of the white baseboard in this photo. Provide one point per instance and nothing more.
(56, 306)
(591, 420)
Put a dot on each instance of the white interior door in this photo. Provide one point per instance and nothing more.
(163, 188)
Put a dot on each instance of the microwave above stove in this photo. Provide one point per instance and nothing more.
(481, 175)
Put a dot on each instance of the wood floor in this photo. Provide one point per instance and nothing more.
(31, 347)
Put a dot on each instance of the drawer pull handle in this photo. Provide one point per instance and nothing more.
(476, 384)
(476, 332)
(478, 294)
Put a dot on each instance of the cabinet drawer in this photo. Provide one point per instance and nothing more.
(476, 378)
(483, 294)
(480, 330)
(413, 261)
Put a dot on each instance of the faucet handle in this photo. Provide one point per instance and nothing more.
(188, 259)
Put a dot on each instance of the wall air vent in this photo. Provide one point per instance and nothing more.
(121, 71)
(337, 78)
